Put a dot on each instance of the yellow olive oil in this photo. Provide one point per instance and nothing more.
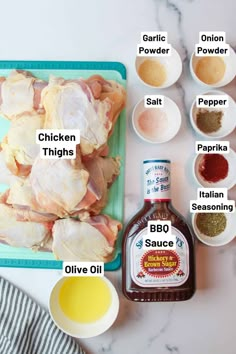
(84, 299)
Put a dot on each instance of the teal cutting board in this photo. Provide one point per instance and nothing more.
(22, 257)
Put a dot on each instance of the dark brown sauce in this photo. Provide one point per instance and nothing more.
(157, 211)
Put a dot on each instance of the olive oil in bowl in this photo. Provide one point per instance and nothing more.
(84, 299)
(84, 307)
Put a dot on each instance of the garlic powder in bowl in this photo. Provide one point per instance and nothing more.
(159, 71)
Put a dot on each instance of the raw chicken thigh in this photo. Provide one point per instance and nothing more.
(59, 185)
(22, 234)
(81, 241)
(107, 226)
(71, 105)
(103, 89)
(21, 197)
(102, 173)
(55, 204)
(19, 145)
(5, 175)
(20, 93)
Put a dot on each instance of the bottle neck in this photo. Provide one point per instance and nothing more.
(157, 204)
(157, 181)
(160, 208)
(157, 201)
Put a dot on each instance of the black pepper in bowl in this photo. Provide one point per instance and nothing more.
(209, 121)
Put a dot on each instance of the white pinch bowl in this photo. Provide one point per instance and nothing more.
(228, 118)
(173, 125)
(172, 65)
(227, 182)
(223, 238)
(230, 72)
(82, 330)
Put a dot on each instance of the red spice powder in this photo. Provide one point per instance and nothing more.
(214, 167)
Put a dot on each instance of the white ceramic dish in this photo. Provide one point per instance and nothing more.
(222, 239)
(82, 330)
(172, 64)
(172, 127)
(228, 119)
(228, 182)
(230, 72)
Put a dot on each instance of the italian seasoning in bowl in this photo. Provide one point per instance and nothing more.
(211, 224)
(214, 229)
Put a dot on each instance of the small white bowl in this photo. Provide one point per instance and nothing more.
(82, 330)
(172, 65)
(228, 118)
(222, 239)
(173, 124)
(230, 72)
(227, 182)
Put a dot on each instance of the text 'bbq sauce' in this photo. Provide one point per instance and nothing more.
(158, 275)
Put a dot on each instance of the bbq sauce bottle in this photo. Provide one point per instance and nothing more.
(157, 275)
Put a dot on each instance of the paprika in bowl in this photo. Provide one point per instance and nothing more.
(215, 170)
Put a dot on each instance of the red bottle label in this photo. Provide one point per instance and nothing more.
(161, 263)
(159, 268)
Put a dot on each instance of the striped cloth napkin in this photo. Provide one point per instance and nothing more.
(25, 328)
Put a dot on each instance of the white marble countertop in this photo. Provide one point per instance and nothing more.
(110, 30)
